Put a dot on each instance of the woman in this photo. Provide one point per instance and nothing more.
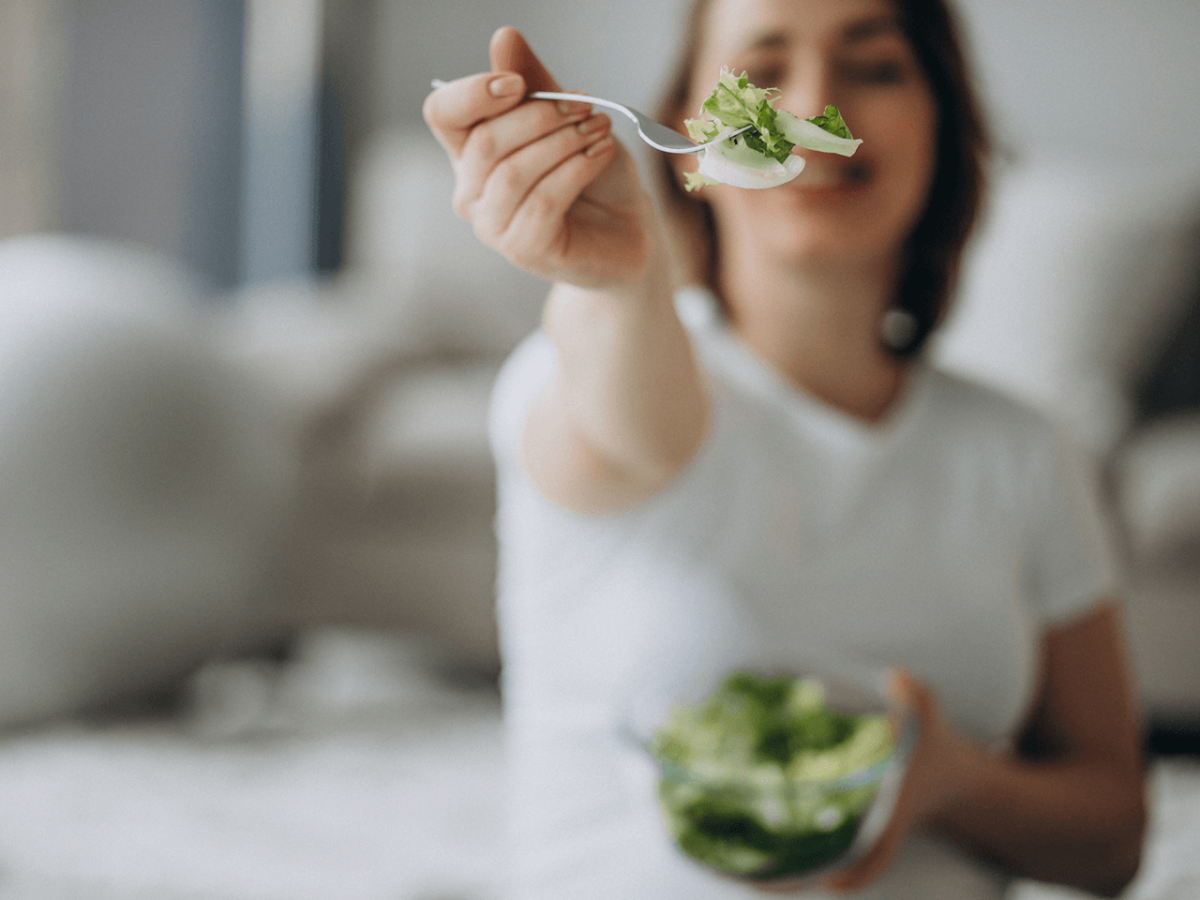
(765, 466)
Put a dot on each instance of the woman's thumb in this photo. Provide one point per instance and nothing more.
(907, 693)
(509, 52)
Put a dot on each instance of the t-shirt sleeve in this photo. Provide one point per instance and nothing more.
(524, 374)
(1074, 551)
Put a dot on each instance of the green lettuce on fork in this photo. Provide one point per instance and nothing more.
(761, 157)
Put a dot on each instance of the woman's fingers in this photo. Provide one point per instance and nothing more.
(522, 204)
(531, 175)
(452, 112)
(869, 868)
(493, 142)
(541, 221)
(509, 52)
(918, 792)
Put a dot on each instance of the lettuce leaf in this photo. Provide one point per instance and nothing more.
(739, 163)
(832, 122)
(736, 103)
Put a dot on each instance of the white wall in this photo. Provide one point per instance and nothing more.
(1097, 80)
(1084, 78)
(149, 134)
(616, 48)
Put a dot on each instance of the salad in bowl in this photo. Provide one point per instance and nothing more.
(773, 776)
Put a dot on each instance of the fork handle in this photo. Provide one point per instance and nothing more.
(584, 98)
(559, 95)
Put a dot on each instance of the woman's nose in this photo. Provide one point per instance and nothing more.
(810, 89)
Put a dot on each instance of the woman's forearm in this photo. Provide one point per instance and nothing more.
(1077, 822)
(628, 405)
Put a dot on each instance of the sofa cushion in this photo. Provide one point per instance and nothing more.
(458, 297)
(1076, 273)
(1157, 482)
(142, 491)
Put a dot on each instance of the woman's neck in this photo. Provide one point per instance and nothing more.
(818, 324)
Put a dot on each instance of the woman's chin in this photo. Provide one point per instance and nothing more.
(813, 242)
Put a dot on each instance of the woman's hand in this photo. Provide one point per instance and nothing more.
(934, 779)
(929, 783)
(543, 183)
(1067, 805)
(548, 187)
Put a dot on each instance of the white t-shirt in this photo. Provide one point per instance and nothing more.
(943, 541)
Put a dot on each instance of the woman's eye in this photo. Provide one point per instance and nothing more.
(887, 72)
(765, 76)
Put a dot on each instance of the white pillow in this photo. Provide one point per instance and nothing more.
(141, 492)
(455, 295)
(1069, 284)
(1157, 478)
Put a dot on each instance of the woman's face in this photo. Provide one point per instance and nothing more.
(852, 54)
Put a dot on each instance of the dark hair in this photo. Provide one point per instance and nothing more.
(956, 196)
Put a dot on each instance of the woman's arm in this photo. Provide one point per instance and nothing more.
(1067, 806)
(627, 407)
(546, 186)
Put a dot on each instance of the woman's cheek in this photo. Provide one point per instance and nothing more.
(909, 143)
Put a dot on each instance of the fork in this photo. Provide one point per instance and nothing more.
(660, 137)
(657, 136)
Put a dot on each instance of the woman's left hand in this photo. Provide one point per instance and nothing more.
(931, 781)
(1067, 805)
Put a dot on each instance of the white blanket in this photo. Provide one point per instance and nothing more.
(351, 771)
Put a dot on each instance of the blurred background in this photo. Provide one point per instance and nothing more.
(245, 356)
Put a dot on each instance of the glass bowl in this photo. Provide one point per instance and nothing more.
(776, 775)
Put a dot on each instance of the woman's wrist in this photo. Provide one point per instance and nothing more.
(946, 766)
(642, 294)
(963, 767)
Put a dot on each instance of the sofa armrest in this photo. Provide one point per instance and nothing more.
(1156, 476)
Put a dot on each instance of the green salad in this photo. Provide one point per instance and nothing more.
(761, 157)
(761, 779)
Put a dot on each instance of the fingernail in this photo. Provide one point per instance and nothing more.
(507, 86)
(591, 124)
(600, 146)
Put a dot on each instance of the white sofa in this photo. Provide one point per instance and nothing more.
(385, 374)
(374, 386)
(143, 487)
(1076, 282)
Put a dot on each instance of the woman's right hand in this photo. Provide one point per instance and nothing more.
(627, 404)
(543, 183)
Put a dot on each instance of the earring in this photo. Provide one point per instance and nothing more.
(897, 329)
